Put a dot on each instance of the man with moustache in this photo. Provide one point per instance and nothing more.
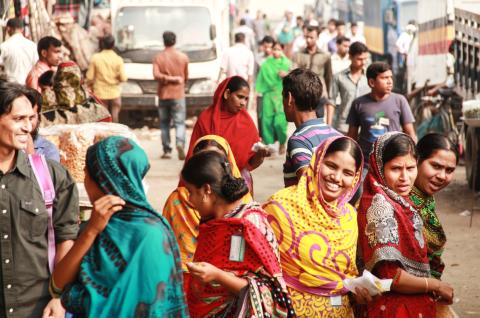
(25, 273)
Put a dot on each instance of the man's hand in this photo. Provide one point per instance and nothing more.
(54, 309)
(176, 80)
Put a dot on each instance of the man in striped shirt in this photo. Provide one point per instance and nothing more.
(302, 90)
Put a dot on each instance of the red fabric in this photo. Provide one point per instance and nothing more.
(214, 247)
(392, 304)
(238, 129)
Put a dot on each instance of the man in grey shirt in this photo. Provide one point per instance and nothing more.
(380, 110)
(349, 84)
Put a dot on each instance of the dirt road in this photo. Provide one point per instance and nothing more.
(462, 255)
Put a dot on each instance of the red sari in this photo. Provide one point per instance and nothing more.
(390, 237)
(238, 129)
(266, 294)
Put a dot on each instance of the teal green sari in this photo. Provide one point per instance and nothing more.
(133, 269)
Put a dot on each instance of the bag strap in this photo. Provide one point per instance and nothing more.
(44, 179)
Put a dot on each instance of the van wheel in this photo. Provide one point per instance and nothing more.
(472, 158)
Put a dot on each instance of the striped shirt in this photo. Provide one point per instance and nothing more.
(302, 145)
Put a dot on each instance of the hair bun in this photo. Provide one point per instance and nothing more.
(233, 188)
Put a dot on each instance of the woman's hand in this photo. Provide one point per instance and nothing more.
(203, 271)
(103, 209)
(362, 296)
(444, 292)
(258, 158)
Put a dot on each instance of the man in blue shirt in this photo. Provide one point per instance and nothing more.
(302, 91)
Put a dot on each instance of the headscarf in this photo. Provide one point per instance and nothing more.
(268, 79)
(390, 228)
(238, 129)
(133, 267)
(432, 230)
(183, 218)
(318, 240)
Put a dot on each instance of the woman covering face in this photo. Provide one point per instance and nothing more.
(391, 233)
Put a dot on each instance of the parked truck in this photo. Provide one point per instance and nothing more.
(202, 29)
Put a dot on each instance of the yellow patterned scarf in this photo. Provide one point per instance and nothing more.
(183, 218)
(317, 240)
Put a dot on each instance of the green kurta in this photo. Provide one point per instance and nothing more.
(272, 118)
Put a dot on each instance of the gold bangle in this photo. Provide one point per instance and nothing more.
(426, 285)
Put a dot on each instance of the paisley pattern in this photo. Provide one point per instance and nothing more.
(317, 240)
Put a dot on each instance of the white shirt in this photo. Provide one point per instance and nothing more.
(299, 44)
(403, 42)
(18, 55)
(358, 38)
(238, 60)
(249, 35)
(340, 63)
(324, 38)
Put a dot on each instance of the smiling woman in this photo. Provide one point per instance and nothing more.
(391, 240)
(316, 229)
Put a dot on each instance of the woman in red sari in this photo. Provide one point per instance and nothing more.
(392, 245)
(228, 118)
(235, 271)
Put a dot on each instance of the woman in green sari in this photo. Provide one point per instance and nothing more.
(437, 160)
(126, 262)
(269, 83)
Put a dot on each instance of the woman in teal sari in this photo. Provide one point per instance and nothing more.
(126, 262)
(269, 83)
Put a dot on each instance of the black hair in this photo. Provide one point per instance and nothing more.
(348, 145)
(339, 23)
(169, 38)
(206, 143)
(399, 145)
(107, 42)
(306, 88)
(341, 39)
(357, 48)
(212, 168)
(9, 92)
(353, 24)
(430, 143)
(311, 28)
(37, 97)
(46, 42)
(239, 37)
(15, 23)
(46, 79)
(377, 68)
(267, 39)
(332, 21)
(236, 83)
(243, 21)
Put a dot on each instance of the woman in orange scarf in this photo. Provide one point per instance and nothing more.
(178, 211)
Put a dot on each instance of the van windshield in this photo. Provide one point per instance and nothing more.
(138, 28)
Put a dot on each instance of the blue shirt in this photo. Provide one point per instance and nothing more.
(44, 147)
(301, 146)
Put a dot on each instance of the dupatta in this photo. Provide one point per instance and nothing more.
(183, 218)
(133, 268)
(390, 228)
(318, 240)
(238, 129)
(266, 294)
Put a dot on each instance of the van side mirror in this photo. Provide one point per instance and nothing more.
(213, 32)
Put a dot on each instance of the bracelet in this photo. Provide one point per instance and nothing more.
(396, 278)
(426, 285)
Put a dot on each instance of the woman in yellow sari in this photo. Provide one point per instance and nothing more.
(316, 229)
(183, 218)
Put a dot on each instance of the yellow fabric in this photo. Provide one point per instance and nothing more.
(183, 218)
(106, 72)
(317, 240)
(308, 305)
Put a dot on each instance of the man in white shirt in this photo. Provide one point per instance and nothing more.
(249, 34)
(238, 60)
(17, 54)
(340, 59)
(327, 35)
(355, 35)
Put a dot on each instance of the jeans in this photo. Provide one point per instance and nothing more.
(172, 110)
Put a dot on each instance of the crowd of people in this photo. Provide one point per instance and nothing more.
(356, 199)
